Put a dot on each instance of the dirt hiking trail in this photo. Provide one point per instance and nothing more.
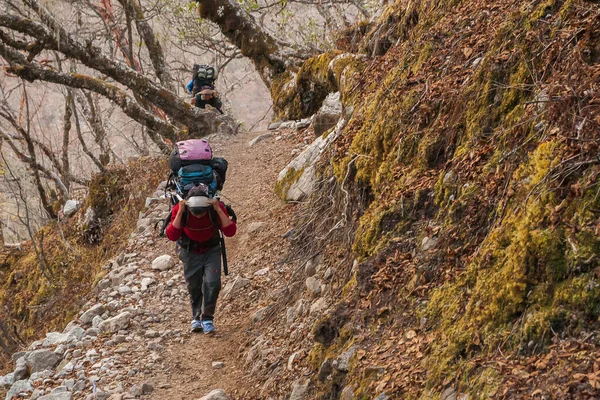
(186, 370)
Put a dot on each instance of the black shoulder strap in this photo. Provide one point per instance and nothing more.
(184, 217)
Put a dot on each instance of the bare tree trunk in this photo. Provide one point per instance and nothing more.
(93, 118)
(270, 56)
(86, 150)
(66, 168)
(133, 8)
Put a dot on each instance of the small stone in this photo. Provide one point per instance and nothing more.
(262, 272)
(347, 393)
(274, 125)
(19, 387)
(342, 363)
(234, 286)
(117, 323)
(89, 315)
(325, 370)
(298, 391)
(71, 207)
(151, 334)
(7, 381)
(318, 306)
(163, 263)
(290, 364)
(256, 227)
(218, 364)
(97, 321)
(259, 138)
(217, 394)
(428, 243)
(147, 388)
(314, 286)
(260, 314)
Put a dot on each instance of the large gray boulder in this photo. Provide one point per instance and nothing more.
(115, 324)
(298, 179)
(217, 394)
(41, 360)
(329, 114)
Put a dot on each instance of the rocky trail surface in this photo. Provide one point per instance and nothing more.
(132, 338)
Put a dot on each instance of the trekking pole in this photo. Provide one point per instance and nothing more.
(224, 254)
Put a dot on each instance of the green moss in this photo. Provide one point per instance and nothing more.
(283, 185)
(350, 285)
(316, 356)
(424, 54)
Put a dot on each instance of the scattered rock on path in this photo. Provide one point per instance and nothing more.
(217, 394)
(274, 125)
(342, 363)
(41, 360)
(235, 286)
(347, 393)
(88, 316)
(259, 138)
(117, 323)
(163, 263)
(57, 396)
(218, 364)
(22, 386)
(256, 227)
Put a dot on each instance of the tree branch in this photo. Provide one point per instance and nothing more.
(57, 38)
(155, 50)
(32, 71)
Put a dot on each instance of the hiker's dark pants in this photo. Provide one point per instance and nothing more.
(213, 102)
(202, 273)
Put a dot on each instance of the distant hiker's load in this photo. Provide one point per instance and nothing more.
(202, 87)
(192, 163)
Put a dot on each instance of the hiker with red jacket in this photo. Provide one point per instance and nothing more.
(195, 227)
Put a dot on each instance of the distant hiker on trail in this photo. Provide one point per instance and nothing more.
(195, 227)
(202, 87)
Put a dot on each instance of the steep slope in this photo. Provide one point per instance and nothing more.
(472, 163)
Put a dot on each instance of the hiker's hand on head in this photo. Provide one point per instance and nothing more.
(181, 208)
(215, 203)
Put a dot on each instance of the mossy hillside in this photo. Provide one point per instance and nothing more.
(37, 301)
(464, 132)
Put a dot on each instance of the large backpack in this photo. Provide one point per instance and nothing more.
(191, 163)
(205, 75)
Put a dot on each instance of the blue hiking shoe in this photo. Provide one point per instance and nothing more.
(196, 326)
(208, 326)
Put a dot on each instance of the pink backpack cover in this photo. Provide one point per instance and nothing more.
(194, 150)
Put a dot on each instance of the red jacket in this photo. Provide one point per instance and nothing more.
(198, 229)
